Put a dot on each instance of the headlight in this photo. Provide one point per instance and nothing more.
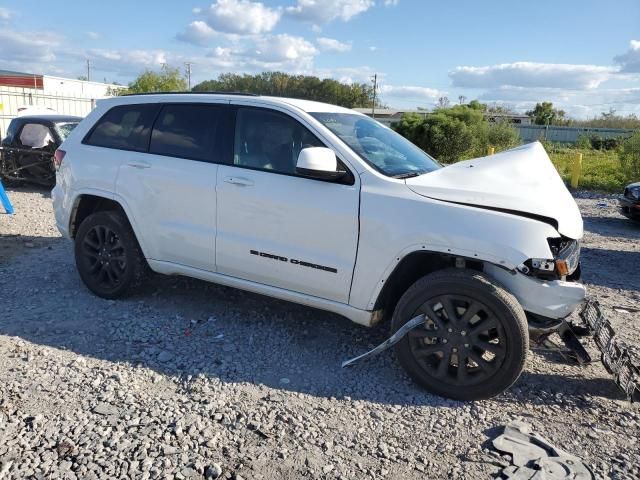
(568, 258)
(565, 261)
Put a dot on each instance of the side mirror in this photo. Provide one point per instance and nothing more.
(318, 162)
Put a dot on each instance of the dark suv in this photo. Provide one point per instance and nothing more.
(27, 150)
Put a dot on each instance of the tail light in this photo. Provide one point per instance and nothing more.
(57, 158)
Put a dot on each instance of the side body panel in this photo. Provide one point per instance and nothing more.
(394, 221)
(286, 231)
(173, 203)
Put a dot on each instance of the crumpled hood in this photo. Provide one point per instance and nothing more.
(522, 179)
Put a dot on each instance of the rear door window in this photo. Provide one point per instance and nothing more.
(188, 131)
(126, 127)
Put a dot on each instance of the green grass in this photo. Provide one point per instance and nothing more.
(601, 170)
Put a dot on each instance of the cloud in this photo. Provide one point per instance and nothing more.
(197, 33)
(93, 35)
(28, 47)
(361, 74)
(630, 62)
(5, 14)
(391, 3)
(125, 62)
(241, 17)
(529, 74)
(410, 92)
(277, 50)
(324, 11)
(332, 45)
(577, 103)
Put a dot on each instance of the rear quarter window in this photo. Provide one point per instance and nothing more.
(126, 127)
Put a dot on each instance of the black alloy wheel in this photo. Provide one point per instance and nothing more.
(474, 342)
(462, 343)
(108, 257)
(104, 252)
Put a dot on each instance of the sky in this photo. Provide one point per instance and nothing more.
(584, 56)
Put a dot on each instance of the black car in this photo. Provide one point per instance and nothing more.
(26, 153)
(630, 201)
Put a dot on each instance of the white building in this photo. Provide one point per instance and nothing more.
(29, 93)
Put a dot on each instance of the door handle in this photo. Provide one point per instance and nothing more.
(244, 182)
(139, 164)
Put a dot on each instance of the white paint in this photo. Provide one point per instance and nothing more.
(521, 179)
(317, 158)
(298, 224)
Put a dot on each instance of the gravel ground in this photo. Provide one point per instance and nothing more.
(192, 380)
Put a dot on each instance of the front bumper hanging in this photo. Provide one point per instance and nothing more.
(621, 360)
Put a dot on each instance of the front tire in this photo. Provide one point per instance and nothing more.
(108, 257)
(475, 341)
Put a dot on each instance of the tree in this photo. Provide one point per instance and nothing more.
(545, 114)
(306, 87)
(476, 105)
(462, 99)
(167, 80)
(443, 102)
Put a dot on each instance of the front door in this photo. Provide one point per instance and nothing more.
(277, 228)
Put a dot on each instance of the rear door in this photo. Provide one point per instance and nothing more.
(275, 227)
(171, 189)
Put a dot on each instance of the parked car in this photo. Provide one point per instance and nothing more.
(323, 206)
(630, 201)
(26, 153)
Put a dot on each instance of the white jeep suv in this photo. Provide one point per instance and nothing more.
(320, 205)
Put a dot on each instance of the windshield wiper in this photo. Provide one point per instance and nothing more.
(408, 175)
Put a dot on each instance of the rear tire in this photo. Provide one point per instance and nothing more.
(475, 342)
(108, 257)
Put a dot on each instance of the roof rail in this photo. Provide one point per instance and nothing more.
(192, 93)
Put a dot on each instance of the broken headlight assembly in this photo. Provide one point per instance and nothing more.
(565, 264)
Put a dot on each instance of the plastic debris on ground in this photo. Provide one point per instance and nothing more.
(535, 458)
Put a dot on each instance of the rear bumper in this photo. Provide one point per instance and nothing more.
(62, 219)
(629, 208)
(551, 299)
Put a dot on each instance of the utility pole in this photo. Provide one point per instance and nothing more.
(374, 79)
(188, 65)
(88, 70)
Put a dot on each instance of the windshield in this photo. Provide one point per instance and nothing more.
(64, 129)
(384, 149)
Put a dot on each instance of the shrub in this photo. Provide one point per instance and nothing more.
(500, 135)
(630, 157)
(452, 134)
(583, 142)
